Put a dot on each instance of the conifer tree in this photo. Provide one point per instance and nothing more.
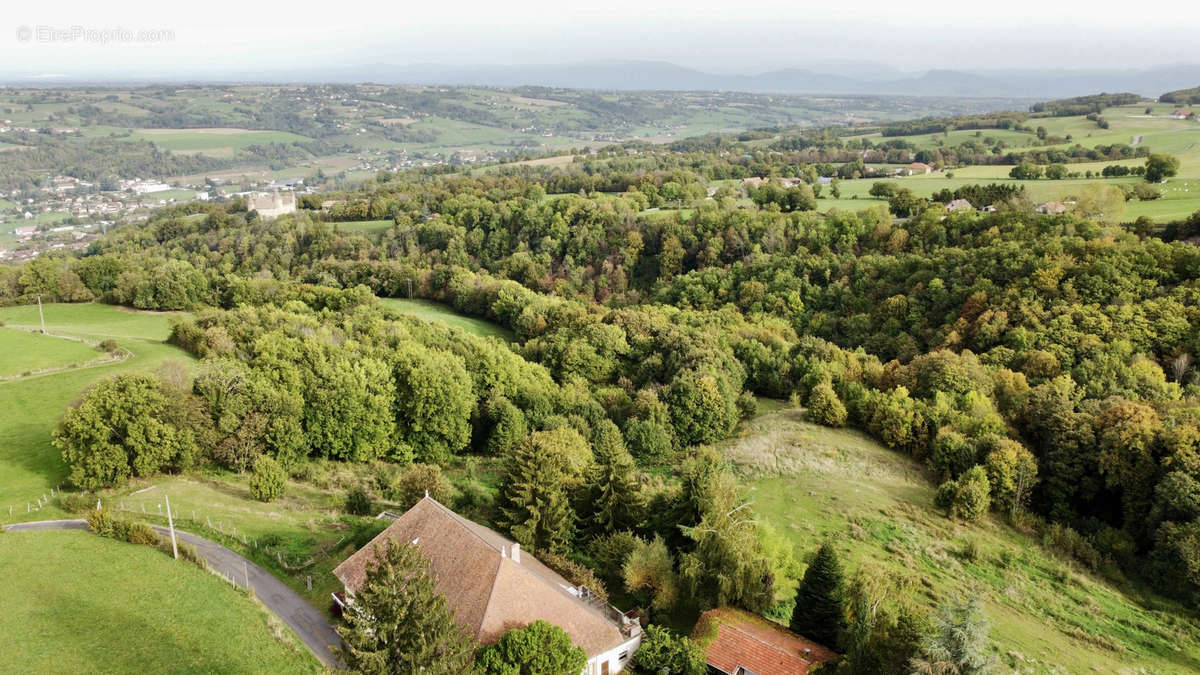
(820, 611)
(615, 496)
(959, 643)
(398, 623)
(534, 504)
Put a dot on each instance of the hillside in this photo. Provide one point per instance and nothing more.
(1048, 613)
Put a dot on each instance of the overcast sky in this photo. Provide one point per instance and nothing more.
(221, 37)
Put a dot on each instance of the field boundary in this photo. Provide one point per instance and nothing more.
(116, 356)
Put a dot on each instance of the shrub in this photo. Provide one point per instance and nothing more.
(416, 481)
(575, 573)
(141, 533)
(76, 502)
(968, 497)
(268, 480)
(824, 406)
(358, 502)
(109, 345)
(663, 652)
(476, 501)
(541, 647)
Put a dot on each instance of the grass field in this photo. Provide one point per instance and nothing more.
(29, 464)
(370, 228)
(432, 311)
(214, 141)
(77, 603)
(813, 483)
(22, 351)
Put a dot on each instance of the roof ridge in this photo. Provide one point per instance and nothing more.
(462, 522)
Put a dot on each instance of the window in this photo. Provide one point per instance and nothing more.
(623, 656)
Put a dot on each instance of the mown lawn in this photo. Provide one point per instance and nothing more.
(29, 465)
(813, 483)
(77, 603)
(433, 311)
(22, 351)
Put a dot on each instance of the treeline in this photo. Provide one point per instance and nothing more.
(937, 125)
(1084, 105)
(93, 159)
(1183, 96)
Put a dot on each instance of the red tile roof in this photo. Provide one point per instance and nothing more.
(763, 647)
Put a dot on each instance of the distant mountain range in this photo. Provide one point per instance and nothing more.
(845, 78)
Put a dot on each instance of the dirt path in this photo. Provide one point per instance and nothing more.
(305, 621)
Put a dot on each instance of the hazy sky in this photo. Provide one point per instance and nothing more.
(220, 36)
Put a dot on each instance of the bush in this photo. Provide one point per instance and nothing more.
(76, 502)
(358, 502)
(824, 406)
(268, 480)
(109, 345)
(416, 481)
(967, 498)
(575, 573)
(475, 501)
(663, 652)
(541, 647)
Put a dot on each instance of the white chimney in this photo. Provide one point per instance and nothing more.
(516, 553)
(503, 552)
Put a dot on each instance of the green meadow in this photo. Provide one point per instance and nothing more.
(439, 313)
(78, 603)
(813, 483)
(214, 141)
(29, 465)
(22, 351)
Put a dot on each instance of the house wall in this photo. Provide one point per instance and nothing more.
(595, 665)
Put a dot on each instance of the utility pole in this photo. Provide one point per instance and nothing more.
(171, 525)
(41, 313)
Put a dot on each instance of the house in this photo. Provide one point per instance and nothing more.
(1181, 114)
(753, 183)
(493, 587)
(741, 643)
(25, 232)
(1051, 208)
(919, 167)
(271, 204)
(959, 205)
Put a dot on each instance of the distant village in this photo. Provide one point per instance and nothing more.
(68, 214)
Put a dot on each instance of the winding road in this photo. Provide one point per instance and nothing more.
(305, 621)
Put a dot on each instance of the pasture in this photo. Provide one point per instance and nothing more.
(439, 313)
(79, 603)
(29, 465)
(22, 352)
(814, 483)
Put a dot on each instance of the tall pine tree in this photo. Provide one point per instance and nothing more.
(534, 504)
(616, 499)
(398, 623)
(820, 612)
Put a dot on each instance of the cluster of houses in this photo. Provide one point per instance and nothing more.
(492, 587)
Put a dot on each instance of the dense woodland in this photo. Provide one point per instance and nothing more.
(1039, 366)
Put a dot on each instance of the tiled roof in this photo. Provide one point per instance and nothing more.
(488, 591)
(745, 640)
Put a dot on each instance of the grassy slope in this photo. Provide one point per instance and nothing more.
(432, 311)
(29, 464)
(81, 604)
(812, 482)
(21, 351)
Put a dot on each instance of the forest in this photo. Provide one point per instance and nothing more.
(1040, 367)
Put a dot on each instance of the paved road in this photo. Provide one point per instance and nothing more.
(305, 621)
